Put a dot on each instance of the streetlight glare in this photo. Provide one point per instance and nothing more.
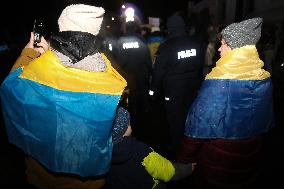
(129, 13)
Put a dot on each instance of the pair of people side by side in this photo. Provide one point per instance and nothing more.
(134, 59)
(59, 103)
(177, 75)
(234, 108)
(135, 164)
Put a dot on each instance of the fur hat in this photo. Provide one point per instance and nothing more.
(247, 32)
(80, 17)
(121, 124)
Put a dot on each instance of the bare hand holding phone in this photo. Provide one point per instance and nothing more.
(41, 47)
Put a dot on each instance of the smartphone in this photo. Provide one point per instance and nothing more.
(38, 30)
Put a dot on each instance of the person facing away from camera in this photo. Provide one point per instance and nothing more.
(59, 103)
(234, 108)
(135, 164)
(176, 78)
(133, 57)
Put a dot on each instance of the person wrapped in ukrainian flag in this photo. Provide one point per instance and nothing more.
(224, 126)
(59, 107)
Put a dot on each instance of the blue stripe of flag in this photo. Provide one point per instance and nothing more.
(231, 109)
(66, 131)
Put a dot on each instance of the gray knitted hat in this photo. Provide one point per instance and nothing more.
(243, 33)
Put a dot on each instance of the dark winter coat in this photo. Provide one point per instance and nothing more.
(134, 58)
(124, 172)
(175, 74)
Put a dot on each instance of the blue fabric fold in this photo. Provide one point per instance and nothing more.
(231, 109)
(66, 131)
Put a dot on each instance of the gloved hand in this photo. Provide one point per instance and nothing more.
(182, 170)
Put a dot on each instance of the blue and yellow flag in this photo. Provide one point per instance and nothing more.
(235, 100)
(62, 116)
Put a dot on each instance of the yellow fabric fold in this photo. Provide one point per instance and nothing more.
(240, 64)
(158, 167)
(27, 55)
(48, 70)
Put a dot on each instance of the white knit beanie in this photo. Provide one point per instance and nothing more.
(80, 17)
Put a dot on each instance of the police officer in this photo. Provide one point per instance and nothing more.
(177, 76)
(135, 60)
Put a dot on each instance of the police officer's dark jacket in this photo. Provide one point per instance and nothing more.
(179, 63)
(134, 57)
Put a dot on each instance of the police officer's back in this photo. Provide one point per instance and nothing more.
(134, 58)
(177, 75)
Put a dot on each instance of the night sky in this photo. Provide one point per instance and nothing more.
(17, 16)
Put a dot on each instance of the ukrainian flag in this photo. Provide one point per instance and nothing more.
(62, 116)
(235, 100)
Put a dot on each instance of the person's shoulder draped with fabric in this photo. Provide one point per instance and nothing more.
(59, 108)
(234, 107)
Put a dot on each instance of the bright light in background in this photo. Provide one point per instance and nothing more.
(112, 18)
(129, 13)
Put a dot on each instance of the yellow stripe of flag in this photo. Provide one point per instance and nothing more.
(48, 70)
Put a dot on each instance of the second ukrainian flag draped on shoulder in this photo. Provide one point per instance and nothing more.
(62, 116)
(235, 100)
